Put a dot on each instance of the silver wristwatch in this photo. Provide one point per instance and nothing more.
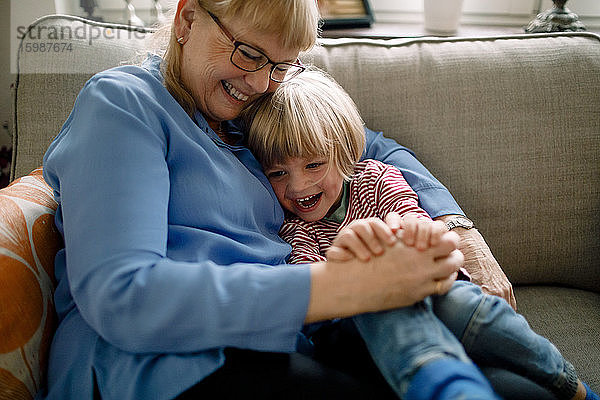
(459, 222)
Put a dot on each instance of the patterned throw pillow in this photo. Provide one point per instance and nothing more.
(28, 243)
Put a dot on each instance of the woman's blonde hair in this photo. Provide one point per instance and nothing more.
(296, 22)
(308, 116)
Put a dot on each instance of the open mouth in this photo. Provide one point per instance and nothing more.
(233, 92)
(308, 202)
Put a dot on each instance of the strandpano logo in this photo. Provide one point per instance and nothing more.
(52, 39)
(57, 34)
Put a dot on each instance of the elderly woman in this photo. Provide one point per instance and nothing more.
(172, 281)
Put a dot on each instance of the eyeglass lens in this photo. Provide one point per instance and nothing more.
(251, 59)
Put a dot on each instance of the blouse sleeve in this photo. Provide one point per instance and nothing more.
(433, 196)
(111, 178)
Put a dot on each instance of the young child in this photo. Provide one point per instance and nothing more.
(309, 138)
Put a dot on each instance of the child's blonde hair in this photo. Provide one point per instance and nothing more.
(308, 116)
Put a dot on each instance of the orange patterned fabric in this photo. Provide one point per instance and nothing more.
(28, 243)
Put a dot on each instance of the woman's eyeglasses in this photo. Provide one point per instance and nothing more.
(250, 59)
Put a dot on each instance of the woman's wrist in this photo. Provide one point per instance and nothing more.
(331, 295)
(481, 264)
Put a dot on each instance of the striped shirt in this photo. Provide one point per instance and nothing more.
(376, 189)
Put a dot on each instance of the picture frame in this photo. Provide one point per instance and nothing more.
(338, 14)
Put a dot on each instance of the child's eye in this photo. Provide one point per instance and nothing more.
(314, 165)
(275, 174)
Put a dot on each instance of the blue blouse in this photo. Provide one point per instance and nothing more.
(171, 243)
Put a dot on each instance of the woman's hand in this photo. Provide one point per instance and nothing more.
(399, 277)
(479, 260)
(481, 264)
(483, 267)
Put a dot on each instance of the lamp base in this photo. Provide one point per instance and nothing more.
(89, 6)
(556, 19)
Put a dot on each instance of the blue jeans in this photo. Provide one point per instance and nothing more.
(463, 324)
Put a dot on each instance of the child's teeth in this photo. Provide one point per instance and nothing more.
(308, 201)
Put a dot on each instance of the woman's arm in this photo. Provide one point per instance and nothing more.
(132, 272)
(440, 205)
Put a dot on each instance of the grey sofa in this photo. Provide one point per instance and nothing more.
(511, 125)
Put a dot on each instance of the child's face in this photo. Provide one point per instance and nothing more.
(306, 187)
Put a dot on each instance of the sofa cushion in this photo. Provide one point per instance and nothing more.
(28, 243)
(570, 319)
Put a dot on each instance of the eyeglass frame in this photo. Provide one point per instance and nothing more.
(236, 44)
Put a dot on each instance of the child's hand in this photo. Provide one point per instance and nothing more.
(420, 233)
(361, 239)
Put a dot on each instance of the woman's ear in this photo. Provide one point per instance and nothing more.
(184, 17)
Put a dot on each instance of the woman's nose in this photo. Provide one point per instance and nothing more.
(259, 80)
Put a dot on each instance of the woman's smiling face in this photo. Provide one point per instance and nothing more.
(220, 89)
(308, 188)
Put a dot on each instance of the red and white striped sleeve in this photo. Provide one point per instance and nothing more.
(305, 247)
(391, 192)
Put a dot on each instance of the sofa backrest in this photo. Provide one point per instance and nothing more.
(510, 125)
(57, 55)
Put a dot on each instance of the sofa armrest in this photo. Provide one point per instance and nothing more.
(29, 241)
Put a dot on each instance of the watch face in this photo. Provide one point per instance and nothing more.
(461, 222)
(464, 222)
